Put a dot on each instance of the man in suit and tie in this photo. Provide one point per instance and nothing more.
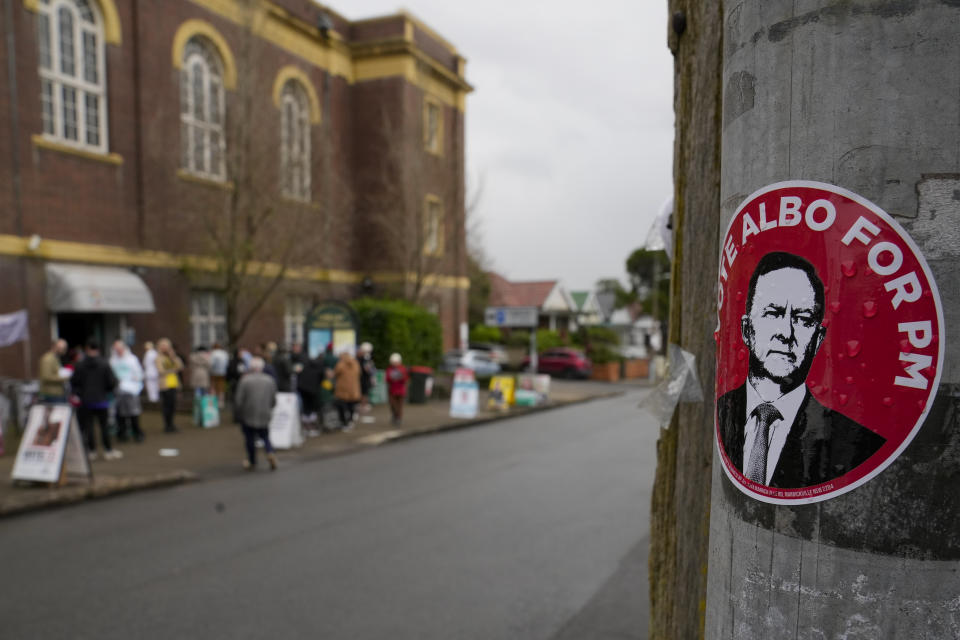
(771, 428)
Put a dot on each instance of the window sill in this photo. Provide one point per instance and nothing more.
(226, 185)
(51, 145)
(295, 202)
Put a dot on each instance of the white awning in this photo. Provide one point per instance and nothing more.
(86, 289)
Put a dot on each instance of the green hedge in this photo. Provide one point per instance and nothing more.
(596, 336)
(547, 339)
(518, 338)
(401, 327)
(483, 333)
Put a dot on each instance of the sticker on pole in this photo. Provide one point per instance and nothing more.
(829, 343)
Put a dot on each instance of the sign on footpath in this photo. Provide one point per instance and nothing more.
(285, 429)
(830, 343)
(465, 395)
(51, 448)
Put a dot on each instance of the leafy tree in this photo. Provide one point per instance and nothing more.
(649, 273)
(622, 297)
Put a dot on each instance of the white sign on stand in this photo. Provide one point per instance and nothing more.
(285, 430)
(51, 447)
(465, 395)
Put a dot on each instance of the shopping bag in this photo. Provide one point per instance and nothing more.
(210, 411)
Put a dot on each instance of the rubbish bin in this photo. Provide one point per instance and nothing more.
(421, 384)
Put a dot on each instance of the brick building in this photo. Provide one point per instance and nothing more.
(153, 147)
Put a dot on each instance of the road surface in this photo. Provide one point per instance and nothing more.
(530, 528)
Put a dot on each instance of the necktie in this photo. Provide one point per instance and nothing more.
(766, 414)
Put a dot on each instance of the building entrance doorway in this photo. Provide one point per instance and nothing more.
(79, 328)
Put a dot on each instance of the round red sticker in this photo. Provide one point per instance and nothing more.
(829, 342)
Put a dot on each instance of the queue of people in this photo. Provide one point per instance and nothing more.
(333, 389)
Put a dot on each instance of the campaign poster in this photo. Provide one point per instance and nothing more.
(830, 343)
(317, 341)
(501, 394)
(465, 395)
(345, 340)
(44, 444)
(285, 428)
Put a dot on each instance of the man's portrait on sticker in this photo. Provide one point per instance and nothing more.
(828, 343)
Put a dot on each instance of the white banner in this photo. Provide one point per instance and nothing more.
(13, 327)
(285, 431)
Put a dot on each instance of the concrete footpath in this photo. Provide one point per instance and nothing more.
(218, 452)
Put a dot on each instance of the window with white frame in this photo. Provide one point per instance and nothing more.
(433, 226)
(208, 318)
(432, 126)
(295, 141)
(295, 314)
(73, 81)
(202, 110)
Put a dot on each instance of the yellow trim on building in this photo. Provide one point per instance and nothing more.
(61, 147)
(277, 26)
(66, 251)
(291, 72)
(195, 27)
(226, 185)
(112, 33)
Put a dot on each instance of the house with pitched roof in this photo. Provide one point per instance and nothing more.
(557, 310)
(587, 308)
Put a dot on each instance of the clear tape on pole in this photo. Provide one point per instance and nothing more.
(681, 384)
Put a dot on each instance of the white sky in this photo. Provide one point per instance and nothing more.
(569, 130)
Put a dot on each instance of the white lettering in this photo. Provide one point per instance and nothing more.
(908, 289)
(916, 380)
(856, 231)
(896, 261)
(920, 334)
(790, 211)
(824, 224)
(723, 269)
(764, 223)
(749, 228)
(731, 250)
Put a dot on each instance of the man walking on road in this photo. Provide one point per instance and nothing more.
(255, 397)
(91, 383)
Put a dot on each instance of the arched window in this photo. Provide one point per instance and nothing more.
(294, 141)
(202, 108)
(73, 79)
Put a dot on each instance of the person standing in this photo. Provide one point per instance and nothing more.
(397, 378)
(53, 386)
(91, 384)
(199, 380)
(129, 375)
(169, 366)
(308, 386)
(255, 397)
(219, 361)
(150, 375)
(347, 388)
(368, 373)
(283, 368)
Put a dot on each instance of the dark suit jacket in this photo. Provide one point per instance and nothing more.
(822, 444)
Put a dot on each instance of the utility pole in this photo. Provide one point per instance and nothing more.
(864, 95)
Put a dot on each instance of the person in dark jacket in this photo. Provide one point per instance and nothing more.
(255, 398)
(308, 386)
(283, 368)
(92, 382)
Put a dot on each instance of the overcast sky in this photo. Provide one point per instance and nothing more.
(569, 130)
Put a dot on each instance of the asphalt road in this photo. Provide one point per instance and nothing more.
(529, 528)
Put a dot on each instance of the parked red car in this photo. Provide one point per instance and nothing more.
(562, 361)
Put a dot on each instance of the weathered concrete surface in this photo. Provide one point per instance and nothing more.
(864, 95)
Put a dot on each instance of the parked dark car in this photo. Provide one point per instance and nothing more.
(562, 361)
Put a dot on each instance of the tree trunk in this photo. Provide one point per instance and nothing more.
(681, 500)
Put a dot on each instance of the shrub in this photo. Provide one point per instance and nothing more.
(518, 338)
(547, 339)
(602, 354)
(483, 333)
(596, 336)
(401, 327)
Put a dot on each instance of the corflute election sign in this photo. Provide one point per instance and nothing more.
(829, 343)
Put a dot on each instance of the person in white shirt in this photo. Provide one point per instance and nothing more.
(219, 359)
(150, 375)
(129, 375)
